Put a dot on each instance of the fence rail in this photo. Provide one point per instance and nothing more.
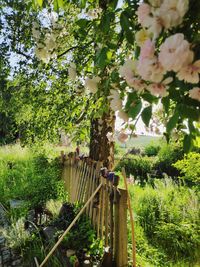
(107, 211)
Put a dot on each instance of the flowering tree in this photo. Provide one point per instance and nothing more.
(167, 63)
(128, 56)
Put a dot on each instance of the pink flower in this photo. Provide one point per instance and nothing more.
(122, 137)
(151, 70)
(175, 53)
(171, 12)
(195, 93)
(159, 89)
(143, 13)
(155, 3)
(136, 84)
(147, 50)
(154, 26)
(190, 73)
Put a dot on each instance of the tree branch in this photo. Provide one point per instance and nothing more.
(74, 47)
(23, 54)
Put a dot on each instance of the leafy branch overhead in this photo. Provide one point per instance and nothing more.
(128, 56)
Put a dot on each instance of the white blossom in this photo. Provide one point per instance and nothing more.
(92, 84)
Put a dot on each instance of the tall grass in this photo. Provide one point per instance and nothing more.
(29, 175)
(167, 224)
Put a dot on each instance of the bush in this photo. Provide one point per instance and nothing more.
(152, 150)
(189, 167)
(169, 154)
(138, 166)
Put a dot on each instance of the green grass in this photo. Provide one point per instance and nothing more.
(29, 175)
(166, 224)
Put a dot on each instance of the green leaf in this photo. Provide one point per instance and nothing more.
(105, 23)
(125, 24)
(82, 3)
(131, 98)
(129, 36)
(60, 3)
(55, 5)
(150, 98)
(82, 23)
(113, 3)
(172, 122)
(146, 115)
(166, 104)
(187, 143)
(109, 55)
(101, 58)
(39, 2)
(188, 112)
(135, 109)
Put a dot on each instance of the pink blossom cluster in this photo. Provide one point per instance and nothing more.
(174, 55)
(162, 14)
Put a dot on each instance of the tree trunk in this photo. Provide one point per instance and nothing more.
(101, 149)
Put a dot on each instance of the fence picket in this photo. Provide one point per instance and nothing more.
(107, 211)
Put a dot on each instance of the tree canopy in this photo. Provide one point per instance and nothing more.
(81, 59)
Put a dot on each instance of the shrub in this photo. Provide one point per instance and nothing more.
(136, 165)
(189, 167)
(152, 150)
(169, 154)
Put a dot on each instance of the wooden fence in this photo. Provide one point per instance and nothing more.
(107, 211)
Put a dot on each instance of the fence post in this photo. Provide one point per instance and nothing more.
(120, 236)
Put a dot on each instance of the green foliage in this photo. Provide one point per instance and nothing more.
(189, 167)
(167, 155)
(152, 149)
(138, 166)
(167, 218)
(29, 177)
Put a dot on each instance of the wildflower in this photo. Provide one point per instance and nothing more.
(147, 50)
(128, 69)
(143, 13)
(172, 12)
